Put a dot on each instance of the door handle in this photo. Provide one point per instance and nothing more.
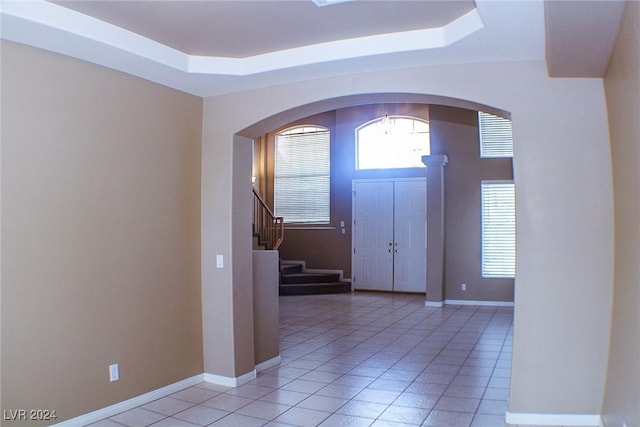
(397, 250)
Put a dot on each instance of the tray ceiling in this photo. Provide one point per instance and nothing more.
(246, 28)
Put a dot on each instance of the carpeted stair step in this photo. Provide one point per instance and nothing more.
(290, 269)
(301, 278)
(295, 280)
(314, 288)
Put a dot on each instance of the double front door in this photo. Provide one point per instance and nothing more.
(390, 235)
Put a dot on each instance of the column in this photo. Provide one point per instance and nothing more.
(435, 228)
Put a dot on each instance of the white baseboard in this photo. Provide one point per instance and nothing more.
(553, 419)
(436, 304)
(134, 402)
(145, 398)
(263, 366)
(231, 381)
(474, 302)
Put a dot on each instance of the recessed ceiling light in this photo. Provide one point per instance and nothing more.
(321, 3)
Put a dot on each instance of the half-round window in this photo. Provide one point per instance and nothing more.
(392, 142)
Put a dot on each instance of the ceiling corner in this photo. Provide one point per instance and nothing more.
(580, 36)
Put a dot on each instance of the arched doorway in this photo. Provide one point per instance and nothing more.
(564, 245)
(242, 166)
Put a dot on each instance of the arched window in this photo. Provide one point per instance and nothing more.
(302, 175)
(392, 142)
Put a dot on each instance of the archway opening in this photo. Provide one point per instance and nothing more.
(243, 156)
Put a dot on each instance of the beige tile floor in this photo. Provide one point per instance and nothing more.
(362, 359)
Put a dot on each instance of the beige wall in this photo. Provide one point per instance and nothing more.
(266, 306)
(241, 261)
(622, 86)
(454, 132)
(101, 234)
(565, 244)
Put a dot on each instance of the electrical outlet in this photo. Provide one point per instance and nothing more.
(463, 286)
(114, 372)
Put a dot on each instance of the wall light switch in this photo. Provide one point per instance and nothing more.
(219, 261)
(342, 224)
(463, 286)
(114, 372)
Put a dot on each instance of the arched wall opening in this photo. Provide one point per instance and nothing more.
(282, 118)
(564, 234)
(242, 253)
(454, 134)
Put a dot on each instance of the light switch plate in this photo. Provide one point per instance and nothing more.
(114, 372)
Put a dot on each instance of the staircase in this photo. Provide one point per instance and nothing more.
(268, 233)
(296, 280)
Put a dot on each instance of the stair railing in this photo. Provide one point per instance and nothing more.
(268, 227)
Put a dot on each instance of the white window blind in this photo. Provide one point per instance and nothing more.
(498, 229)
(496, 136)
(302, 175)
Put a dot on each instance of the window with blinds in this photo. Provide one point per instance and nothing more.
(496, 136)
(498, 229)
(302, 175)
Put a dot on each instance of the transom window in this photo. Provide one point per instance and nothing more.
(392, 142)
(302, 175)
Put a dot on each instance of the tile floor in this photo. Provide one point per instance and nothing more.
(362, 359)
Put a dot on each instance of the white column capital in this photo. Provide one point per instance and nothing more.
(435, 160)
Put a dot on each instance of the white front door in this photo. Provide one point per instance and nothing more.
(373, 241)
(389, 235)
(410, 236)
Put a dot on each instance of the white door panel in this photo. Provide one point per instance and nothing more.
(373, 263)
(410, 236)
(390, 235)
